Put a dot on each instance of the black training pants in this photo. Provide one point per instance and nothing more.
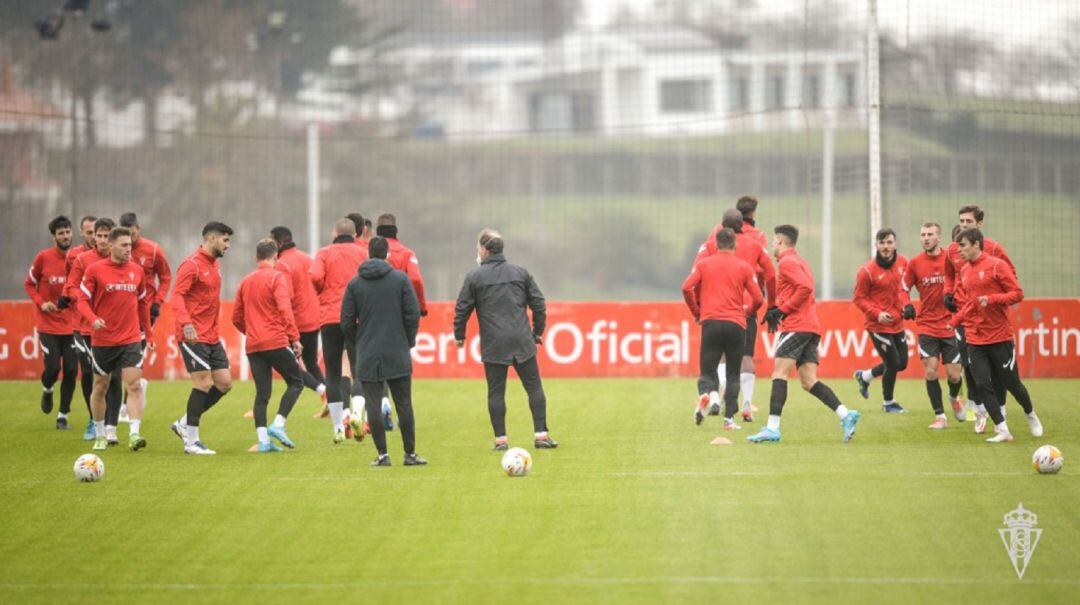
(721, 338)
(996, 364)
(284, 361)
(401, 392)
(311, 372)
(894, 359)
(334, 344)
(60, 354)
(529, 373)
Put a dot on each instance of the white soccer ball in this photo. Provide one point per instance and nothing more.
(89, 468)
(517, 462)
(1047, 460)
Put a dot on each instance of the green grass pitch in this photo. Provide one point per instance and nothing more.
(634, 506)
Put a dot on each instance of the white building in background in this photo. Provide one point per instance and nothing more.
(632, 82)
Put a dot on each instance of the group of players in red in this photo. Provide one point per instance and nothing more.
(97, 304)
(965, 291)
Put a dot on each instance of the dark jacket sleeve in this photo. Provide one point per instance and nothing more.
(466, 302)
(348, 311)
(410, 310)
(535, 300)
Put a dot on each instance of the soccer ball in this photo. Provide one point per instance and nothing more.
(516, 462)
(89, 468)
(1047, 460)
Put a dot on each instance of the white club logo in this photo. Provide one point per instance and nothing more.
(1021, 537)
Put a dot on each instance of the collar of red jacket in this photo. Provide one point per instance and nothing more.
(205, 256)
(265, 264)
(788, 252)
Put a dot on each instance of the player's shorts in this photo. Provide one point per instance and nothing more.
(800, 346)
(203, 357)
(948, 349)
(105, 360)
(751, 336)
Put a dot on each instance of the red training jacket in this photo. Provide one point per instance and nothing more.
(402, 258)
(717, 288)
(750, 247)
(994, 278)
(296, 264)
(45, 283)
(333, 267)
(926, 273)
(74, 280)
(955, 262)
(263, 310)
(148, 254)
(196, 296)
(116, 293)
(795, 294)
(878, 289)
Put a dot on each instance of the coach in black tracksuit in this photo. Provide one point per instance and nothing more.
(500, 292)
(381, 314)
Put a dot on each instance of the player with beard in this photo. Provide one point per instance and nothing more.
(115, 303)
(795, 315)
(936, 342)
(86, 372)
(44, 285)
(880, 295)
(196, 305)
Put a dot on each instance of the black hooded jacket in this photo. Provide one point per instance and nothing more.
(500, 293)
(381, 313)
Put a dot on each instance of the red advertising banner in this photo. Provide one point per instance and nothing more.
(603, 339)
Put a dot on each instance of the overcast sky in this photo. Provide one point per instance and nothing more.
(1009, 21)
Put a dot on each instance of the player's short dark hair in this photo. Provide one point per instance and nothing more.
(358, 220)
(58, 223)
(979, 213)
(884, 233)
(973, 236)
(491, 241)
(791, 232)
(746, 205)
(104, 223)
(367, 223)
(386, 219)
(956, 232)
(92, 219)
(732, 219)
(118, 232)
(725, 239)
(266, 249)
(282, 235)
(128, 219)
(378, 247)
(929, 224)
(216, 227)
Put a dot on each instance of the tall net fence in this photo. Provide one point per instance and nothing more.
(603, 139)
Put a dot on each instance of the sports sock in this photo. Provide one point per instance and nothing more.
(264, 437)
(825, 395)
(981, 408)
(385, 405)
(841, 411)
(778, 397)
(133, 426)
(337, 415)
(279, 421)
(954, 389)
(46, 390)
(1002, 426)
(61, 415)
(721, 373)
(933, 388)
(714, 398)
(868, 375)
(356, 403)
(99, 428)
(773, 422)
(746, 383)
(321, 389)
(212, 396)
(192, 434)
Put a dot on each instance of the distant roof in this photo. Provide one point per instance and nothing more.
(662, 40)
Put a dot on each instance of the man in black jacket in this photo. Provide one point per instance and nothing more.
(381, 314)
(500, 292)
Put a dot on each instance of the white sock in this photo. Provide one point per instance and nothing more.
(279, 421)
(336, 415)
(981, 408)
(133, 426)
(192, 434)
(61, 415)
(888, 402)
(867, 375)
(746, 383)
(540, 435)
(183, 420)
(942, 416)
(357, 403)
(841, 411)
(321, 389)
(48, 390)
(1003, 427)
(1003, 412)
(385, 404)
(110, 429)
(99, 428)
(501, 439)
(721, 373)
(263, 436)
(773, 422)
(714, 397)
